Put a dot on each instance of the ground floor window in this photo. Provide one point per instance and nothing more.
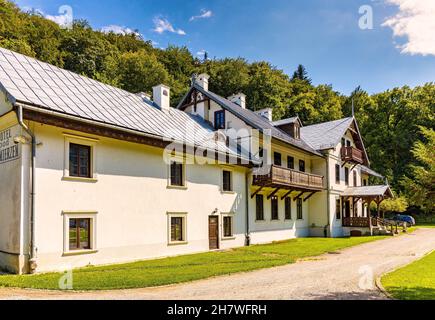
(259, 206)
(177, 228)
(288, 208)
(299, 209)
(228, 226)
(338, 209)
(274, 202)
(79, 232)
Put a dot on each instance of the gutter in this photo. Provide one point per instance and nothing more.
(32, 257)
(248, 232)
(328, 200)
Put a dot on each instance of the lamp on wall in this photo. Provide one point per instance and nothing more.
(215, 211)
(20, 139)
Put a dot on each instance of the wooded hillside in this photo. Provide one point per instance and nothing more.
(392, 122)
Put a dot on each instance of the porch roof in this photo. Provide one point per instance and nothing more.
(369, 192)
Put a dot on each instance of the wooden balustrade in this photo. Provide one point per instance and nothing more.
(358, 222)
(351, 154)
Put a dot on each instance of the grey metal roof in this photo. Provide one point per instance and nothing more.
(371, 172)
(29, 81)
(368, 191)
(326, 135)
(286, 121)
(254, 120)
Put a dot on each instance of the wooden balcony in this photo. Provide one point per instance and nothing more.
(351, 154)
(284, 178)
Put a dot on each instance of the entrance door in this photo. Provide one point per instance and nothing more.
(213, 232)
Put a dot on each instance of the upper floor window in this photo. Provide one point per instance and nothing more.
(348, 143)
(297, 131)
(219, 119)
(177, 176)
(227, 181)
(365, 182)
(259, 206)
(343, 142)
(274, 203)
(302, 165)
(290, 162)
(337, 173)
(346, 176)
(79, 161)
(354, 179)
(277, 159)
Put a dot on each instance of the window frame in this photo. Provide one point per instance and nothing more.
(277, 159)
(346, 176)
(257, 197)
(355, 178)
(288, 209)
(91, 143)
(69, 215)
(290, 162)
(338, 213)
(299, 209)
(231, 183)
(183, 216)
(302, 166)
(337, 174)
(217, 114)
(231, 216)
(274, 204)
(183, 174)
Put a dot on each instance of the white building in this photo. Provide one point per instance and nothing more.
(87, 178)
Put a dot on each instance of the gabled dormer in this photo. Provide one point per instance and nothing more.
(291, 126)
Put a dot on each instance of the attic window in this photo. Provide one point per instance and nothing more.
(297, 131)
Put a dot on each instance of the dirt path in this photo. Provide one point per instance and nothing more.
(331, 276)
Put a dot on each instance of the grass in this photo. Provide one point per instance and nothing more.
(187, 268)
(413, 282)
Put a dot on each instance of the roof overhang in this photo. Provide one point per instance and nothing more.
(383, 191)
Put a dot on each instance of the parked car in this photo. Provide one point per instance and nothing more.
(410, 221)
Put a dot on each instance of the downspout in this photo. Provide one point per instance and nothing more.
(248, 232)
(328, 200)
(32, 258)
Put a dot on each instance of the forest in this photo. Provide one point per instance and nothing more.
(397, 125)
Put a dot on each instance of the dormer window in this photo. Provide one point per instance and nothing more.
(297, 131)
(219, 120)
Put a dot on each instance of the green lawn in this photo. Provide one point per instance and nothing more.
(187, 268)
(413, 282)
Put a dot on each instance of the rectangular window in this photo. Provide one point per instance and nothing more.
(299, 209)
(354, 179)
(177, 174)
(219, 119)
(338, 209)
(348, 143)
(79, 161)
(259, 199)
(227, 183)
(177, 226)
(274, 203)
(288, 208)
(365, 182)
(343, 142)
(302, 165)
(79, 234)
(228, 226)
(337, 173)
(290, 162)
(346, 176)
(277, 159)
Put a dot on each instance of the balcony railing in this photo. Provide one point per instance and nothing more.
(351, 154)
(356, 222)
(279, 176)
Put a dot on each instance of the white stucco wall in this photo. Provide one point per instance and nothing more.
(131, 199)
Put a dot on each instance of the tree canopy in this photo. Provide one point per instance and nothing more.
(390, 121)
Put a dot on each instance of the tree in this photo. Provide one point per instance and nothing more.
(420, 184)
(301, 74)
(140, 71)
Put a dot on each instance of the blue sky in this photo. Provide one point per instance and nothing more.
(322, 35)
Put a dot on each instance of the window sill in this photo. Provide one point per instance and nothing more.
(78, 253)
(89, 180)
(176, 187)
(178, 243)
(260, 221)
(228, 192)
(228, 238)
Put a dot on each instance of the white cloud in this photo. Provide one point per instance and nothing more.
(118, 29)
(64, 19)
(204, 15)
(416, 22)
(162, 25)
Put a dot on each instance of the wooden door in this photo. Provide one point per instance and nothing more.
(213, 232)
